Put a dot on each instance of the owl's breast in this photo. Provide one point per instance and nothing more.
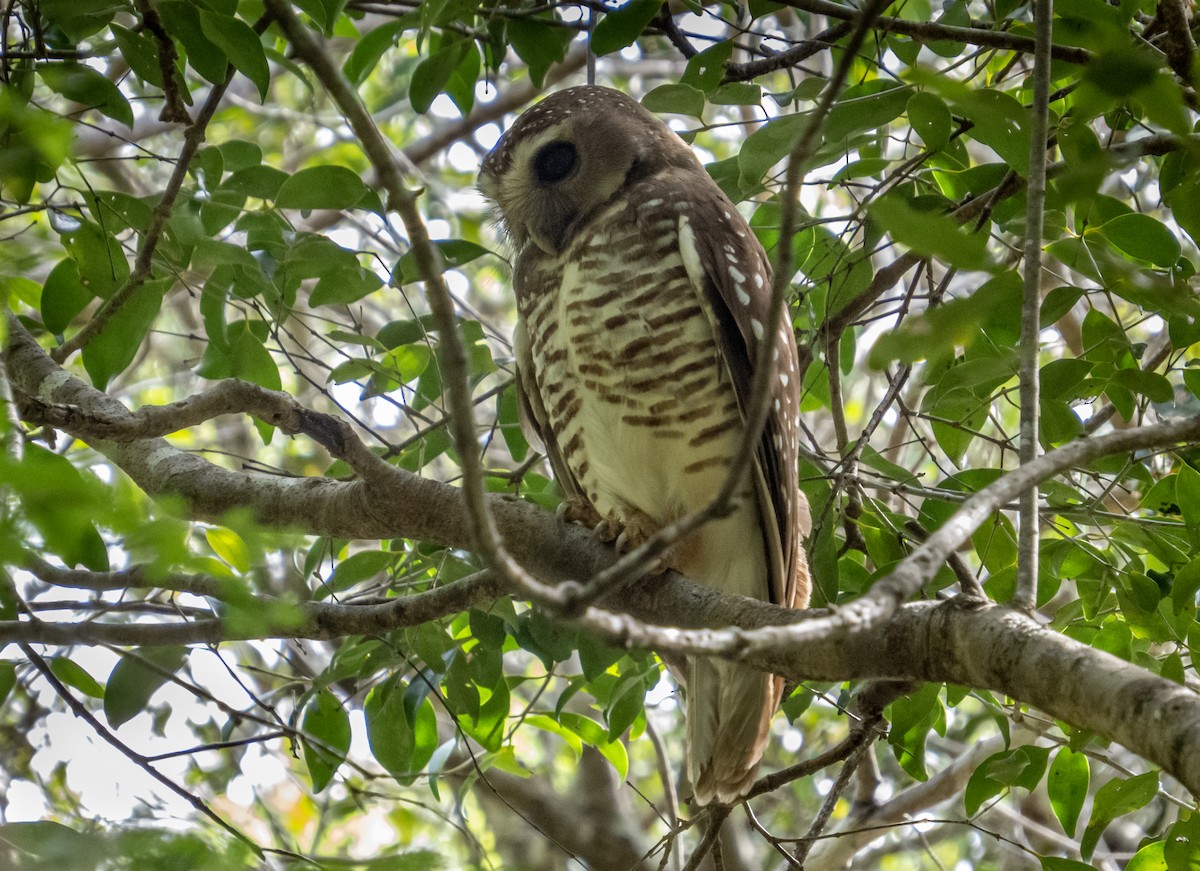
(630, 372)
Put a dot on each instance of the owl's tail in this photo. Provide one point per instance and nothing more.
(729, 709)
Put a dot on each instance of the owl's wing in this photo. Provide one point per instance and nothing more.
(535, 422)
(725, 259)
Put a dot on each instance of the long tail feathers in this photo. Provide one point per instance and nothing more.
(729, 709)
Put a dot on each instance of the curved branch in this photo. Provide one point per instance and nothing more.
(389, 165)
(975, 644)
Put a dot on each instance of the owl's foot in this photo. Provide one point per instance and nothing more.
(634, 531)
(624, 533)
(573, 509)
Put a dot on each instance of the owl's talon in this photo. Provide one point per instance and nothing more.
(575, 510)
(608, 529)
(628, 541)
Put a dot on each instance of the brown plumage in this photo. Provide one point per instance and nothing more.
(642, 296)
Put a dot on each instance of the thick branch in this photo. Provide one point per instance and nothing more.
(982, 646)
(929, 31)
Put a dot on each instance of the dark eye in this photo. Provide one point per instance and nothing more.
(555, 161)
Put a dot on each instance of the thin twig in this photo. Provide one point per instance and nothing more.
(1031, 302)
(129, 753)
(831, 800)
(929, 31)
(143, 264)
(389, 165)
(823, 41)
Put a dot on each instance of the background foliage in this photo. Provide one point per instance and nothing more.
(180, 202)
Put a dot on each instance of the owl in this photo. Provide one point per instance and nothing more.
(642, 299)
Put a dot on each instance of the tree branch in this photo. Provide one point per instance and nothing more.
(980, 646)
(928, 31)
(452, 358)
(1031, 307)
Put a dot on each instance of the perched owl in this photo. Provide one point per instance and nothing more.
(642, 297)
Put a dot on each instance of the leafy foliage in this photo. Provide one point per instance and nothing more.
(241, 234)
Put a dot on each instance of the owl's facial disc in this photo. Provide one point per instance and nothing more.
(551, 182)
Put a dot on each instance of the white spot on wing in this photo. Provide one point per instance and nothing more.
(756, 325)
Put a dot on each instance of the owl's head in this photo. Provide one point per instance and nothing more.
(568, 156)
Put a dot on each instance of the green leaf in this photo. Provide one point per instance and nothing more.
(736, 94)
(241, 45)
(324, 737)
(1184, 588)
(55, 845)
(99, 256)
(912, 719)
(263, 182)
(930, 118)
(1057, 303)
(1150, 384)
(1185, 207)
(134, 681)
(63, 296)
(1187, 494)
(1067, 787)
(869, 106)
(1142, 237)
(1054, 863)
(679, 99)
(452, 253)
(140, 52)
(626, 703)
(1151, 857)
(74, 675)
(540, 42)
(594, 735)
(182, 21)
(705, 69)
(62, 503)
(370, 48)
(114, 348)
(957, 323)
(931, 232)
(250, 359)
(84, 85)
(321, 187)
(999, 120)
(1021, 766)
(8, 679)
(230, 547)
(1116, 798)
(619, 28)
(408, 361)
(358, 567)
(1182, 850)
(432, 73)
(345, 286)
(389, 732)
(871, 168)
(769, 144)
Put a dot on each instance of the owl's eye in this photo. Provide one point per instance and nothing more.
(555, 161)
